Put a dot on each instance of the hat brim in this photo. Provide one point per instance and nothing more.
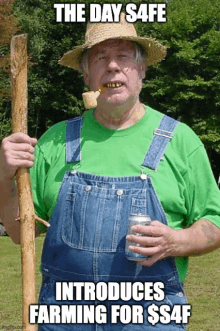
(155, 51)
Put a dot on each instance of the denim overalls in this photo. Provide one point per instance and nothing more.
(86, 240)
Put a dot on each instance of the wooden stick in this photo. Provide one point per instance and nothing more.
(26, 207)
(37, 219)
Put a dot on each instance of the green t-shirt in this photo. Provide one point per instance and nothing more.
(183, 181)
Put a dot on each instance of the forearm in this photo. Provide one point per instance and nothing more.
(160, 241)
(9, 209)
(201, 238)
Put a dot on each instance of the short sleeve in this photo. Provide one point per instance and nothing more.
(203, 195)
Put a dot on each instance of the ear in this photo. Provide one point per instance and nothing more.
(86, 79)
(143, 69)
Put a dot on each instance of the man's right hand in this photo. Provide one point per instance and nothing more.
(16, 151)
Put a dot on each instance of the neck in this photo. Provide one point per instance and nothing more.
(119, 117)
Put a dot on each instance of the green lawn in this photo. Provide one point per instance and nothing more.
(202, 287)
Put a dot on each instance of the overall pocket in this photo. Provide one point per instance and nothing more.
(138, 206)
(94, 218)
(97, 218)
(69, 225)
(82, 211)
(172, 298)
(47, 287)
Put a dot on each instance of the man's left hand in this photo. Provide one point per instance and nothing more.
(159, 242)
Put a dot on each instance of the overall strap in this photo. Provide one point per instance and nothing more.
(73, 128)
(162, 136)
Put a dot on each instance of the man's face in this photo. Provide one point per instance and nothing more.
(112, 64)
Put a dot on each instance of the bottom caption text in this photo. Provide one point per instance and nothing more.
(90, 314)
(98, 313)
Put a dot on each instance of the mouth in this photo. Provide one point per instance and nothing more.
(113, 85)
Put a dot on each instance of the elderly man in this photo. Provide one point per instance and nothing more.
(93, 172)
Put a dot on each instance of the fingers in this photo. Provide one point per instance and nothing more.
(21, 147)
(147, 251)
(16, 151)
(157, 223)
(157, 242)
(149, 246)
(21, 138)
(151, 260)
(19, 141)
(153, 254)
(143, 241)
(19, 159)
(155, 229)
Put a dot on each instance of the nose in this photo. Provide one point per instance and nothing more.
(113, 65)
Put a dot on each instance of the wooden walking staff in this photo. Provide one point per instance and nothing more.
(26, 207)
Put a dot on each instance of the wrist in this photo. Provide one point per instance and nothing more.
(5, 177)
(182, 242)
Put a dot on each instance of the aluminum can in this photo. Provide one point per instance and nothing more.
(138, 219)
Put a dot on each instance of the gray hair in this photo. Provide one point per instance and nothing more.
(140, 55)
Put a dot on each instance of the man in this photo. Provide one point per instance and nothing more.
(120, 159)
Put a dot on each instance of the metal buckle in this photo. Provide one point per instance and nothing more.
(164, 133)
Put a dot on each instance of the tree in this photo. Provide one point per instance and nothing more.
(8, 27)
(55, 92)
(186, 85)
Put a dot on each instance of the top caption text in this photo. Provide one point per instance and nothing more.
(109, 13)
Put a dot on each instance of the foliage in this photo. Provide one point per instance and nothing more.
(8, 27)
(185, 85)
(54, 91)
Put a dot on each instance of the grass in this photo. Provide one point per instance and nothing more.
(202, 287)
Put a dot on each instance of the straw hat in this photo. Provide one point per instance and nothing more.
(98, 32)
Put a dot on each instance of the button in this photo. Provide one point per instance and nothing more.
(88, 188)
(119, 192)
(180, 294)
(73, 172)
(143, 176)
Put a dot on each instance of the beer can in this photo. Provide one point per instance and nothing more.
(138, 219)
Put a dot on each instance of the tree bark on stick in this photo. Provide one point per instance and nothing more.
(26, 207)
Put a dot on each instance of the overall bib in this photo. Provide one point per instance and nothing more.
(86, 240)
